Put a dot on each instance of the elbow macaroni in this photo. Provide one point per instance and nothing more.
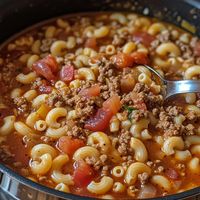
(171, 144)
(133, 171)
(8, 125)
(56, 174)
(140, 152)
(53, 115)
(101, 140)
(26, 79)
(101, 187)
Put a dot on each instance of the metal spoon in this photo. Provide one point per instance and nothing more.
(172, 88)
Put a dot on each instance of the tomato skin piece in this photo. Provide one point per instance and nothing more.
(46, 67)
(41, 68)
(83, 174)
(143, 37)
(112, 104)
(122, 60)
(140, 58)
(51, 62)
(90, 92)
(67, 73)
(100, 121)
(91, 43)
(69, 145)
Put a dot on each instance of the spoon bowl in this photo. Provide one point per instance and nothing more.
(171, 88)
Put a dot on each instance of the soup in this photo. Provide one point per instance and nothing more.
(80, 113)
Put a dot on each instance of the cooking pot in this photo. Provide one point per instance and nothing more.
(17, 15)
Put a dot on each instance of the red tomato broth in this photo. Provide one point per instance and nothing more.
(124, 64)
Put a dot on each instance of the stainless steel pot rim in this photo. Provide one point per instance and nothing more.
(34, 185)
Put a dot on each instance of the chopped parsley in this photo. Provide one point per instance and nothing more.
(129, 109)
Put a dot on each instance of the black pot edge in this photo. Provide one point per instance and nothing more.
(50, 191)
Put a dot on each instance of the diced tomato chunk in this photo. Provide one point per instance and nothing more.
(140, 58)
(112, 104)
(51, 62)
(69, 145)
(172, 174)
(43, 68)
(122, 60)
(100, 121)
(83, 174)
(91, 43)
(67, 73)
(90, 92)
(197, 49)
(143, 37)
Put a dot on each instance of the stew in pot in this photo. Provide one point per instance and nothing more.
(80, 113)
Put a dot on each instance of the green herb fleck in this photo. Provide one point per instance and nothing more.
(129, 109)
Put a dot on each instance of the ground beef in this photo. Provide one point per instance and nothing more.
(22, 105)
(185, 49)
(106, 70)
(98, 163)
(191, 115)
(188, 129)
(55, 98)
(153, 101)
(142, 93)
(164, 36)
(160, 38)
(198, 103)
(77, 132)
(143, 178)
(141, 87)
(136, 115)
(118, 40)
(5, 154)
(85, 107)
(123, 142)
(166, 122)
(159, 169)
(112, 87)
(169, 127)
(46, 44)
(38, 82)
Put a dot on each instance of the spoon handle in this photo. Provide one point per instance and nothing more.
(182, 86)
